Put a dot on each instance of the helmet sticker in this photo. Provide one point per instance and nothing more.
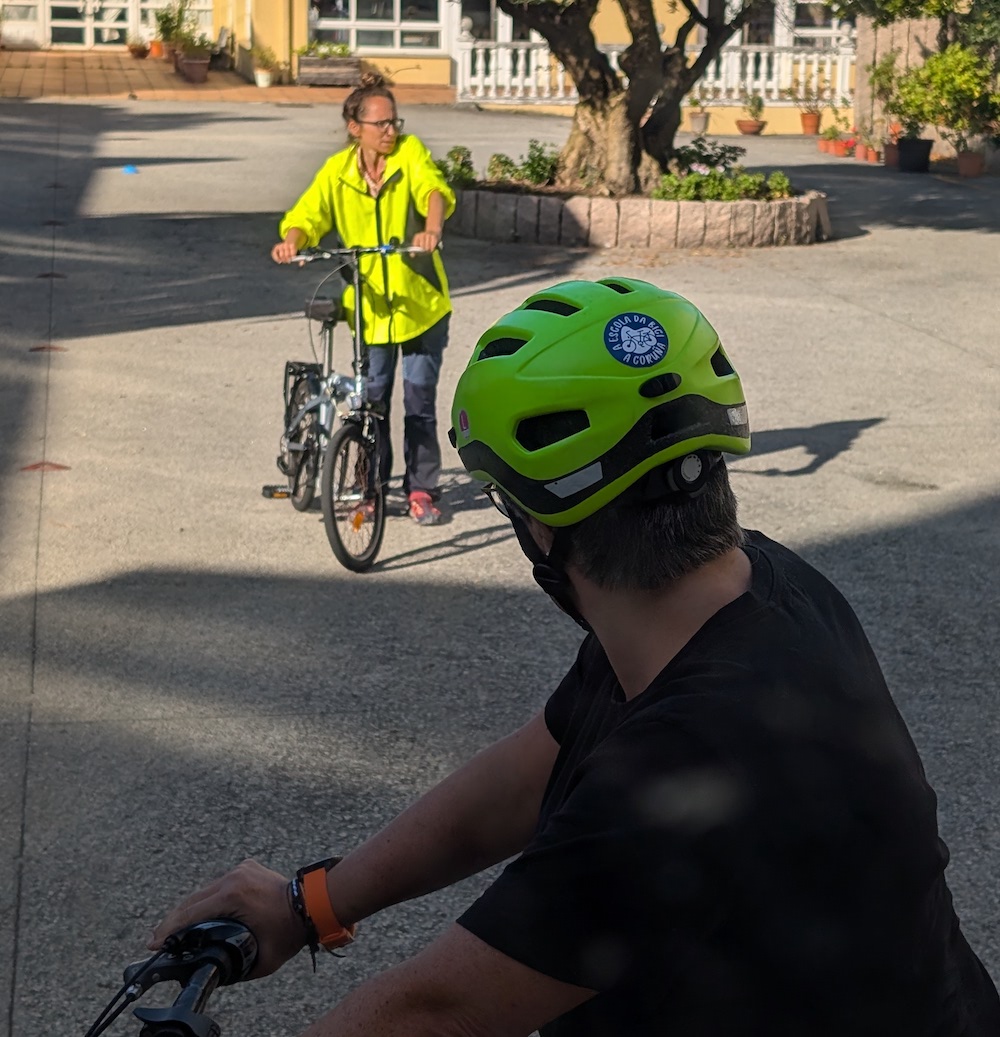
(463, 424)
(635, 340)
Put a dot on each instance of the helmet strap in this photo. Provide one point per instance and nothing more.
(548, 569)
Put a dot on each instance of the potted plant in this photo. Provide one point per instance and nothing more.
(911, 105)
(961, 103)
(753, 105)
(137, 47)
(827, 139)
(809, 96)
(265, 64)
(171, 21)
(327, 64)
(195, 50)
(698, 115)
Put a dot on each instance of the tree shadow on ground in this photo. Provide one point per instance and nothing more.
(191, 718)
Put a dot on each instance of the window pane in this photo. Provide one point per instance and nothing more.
(66, 14)
(330, 9)
(19, 13)
(419, 39)
(376, 10)
(375, 37)
(420, 11)
(812, 15)
(61, 34)
(332, 36)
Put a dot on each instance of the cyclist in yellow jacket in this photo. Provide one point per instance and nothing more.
(384, 186)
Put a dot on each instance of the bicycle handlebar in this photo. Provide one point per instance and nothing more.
(312, 254)
(201, 957)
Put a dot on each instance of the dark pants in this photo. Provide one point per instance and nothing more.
(421, 370)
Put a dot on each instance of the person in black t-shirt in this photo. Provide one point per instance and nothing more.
(719, 825)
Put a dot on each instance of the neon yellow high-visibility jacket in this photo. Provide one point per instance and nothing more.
(403, 296)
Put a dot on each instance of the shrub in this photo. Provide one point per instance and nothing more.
(501, 167)
(540, 165)
(703, 184)
(704, 152)
(537, 167)
(457, 167)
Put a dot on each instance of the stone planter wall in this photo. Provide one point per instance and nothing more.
(639, 222)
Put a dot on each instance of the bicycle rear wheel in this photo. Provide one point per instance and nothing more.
(352, 497)
(303, 462)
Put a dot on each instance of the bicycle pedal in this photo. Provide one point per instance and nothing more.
(275, 492)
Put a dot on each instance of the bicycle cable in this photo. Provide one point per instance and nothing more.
(315, 295)
(107, 1016)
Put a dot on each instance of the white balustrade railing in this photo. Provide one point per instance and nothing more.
(525, 72)
(518, 72)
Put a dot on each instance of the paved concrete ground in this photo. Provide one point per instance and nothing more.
(35, 74)
(189, 677)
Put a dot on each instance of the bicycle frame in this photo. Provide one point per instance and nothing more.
(339, 388)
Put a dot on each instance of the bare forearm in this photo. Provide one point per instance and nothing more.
(435, 213)
(481, 814)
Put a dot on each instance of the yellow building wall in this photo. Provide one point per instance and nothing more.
(402, 70)
(609, 22)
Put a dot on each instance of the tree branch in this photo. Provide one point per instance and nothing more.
(694, 12)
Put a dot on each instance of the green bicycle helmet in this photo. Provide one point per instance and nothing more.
(587, 386)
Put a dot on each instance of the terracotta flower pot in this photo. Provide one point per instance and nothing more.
(156, 48)
(861, 152)
(810, 123)
(873, 155)
(839, 148)
(971, 163)
(750, 127)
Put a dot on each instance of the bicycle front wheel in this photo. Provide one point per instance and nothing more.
(352, 497)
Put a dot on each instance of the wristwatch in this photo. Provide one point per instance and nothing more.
(309, 889)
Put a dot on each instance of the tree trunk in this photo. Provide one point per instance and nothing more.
(602, 151)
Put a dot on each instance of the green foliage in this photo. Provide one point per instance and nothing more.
(264, 58)
(538, 167)
(778, 185)
(959, 99)
(717, 185)
(753, 104)
(193, 44)
(709, 153)
(882, 77)
(501, 167)
(318, 49)
(457, 167)
(174, 20)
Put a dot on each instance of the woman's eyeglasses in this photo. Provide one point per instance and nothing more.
(384, 125)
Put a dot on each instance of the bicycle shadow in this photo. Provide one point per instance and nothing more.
(460, 544)
(823, 443)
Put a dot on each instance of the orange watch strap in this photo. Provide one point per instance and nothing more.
(316, 900)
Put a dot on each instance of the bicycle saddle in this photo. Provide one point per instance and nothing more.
(325, 310)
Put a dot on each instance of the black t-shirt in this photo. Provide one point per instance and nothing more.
(749, 848)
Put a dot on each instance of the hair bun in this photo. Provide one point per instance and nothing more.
(371, 79)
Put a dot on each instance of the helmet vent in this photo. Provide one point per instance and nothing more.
(564, 309)
(720, 363)
(659, 386)
(546, 429)
(621, 289)
(502, 347)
